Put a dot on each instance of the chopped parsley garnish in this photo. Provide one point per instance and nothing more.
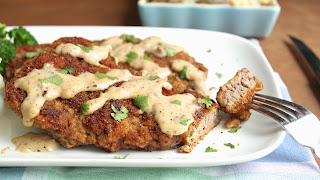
(183, 72)
(209, 51)
(152, 78)
(126, 37)
(85, 48)
(84, 108)
(219, 75)
(170, 51)
(159, 44)
(56, 79)
(184, 121)
(176, 102)
(210, 149)
(234, 129)
(102, 76)
(229, 145)
(141, 102)
(147, 58)
(131, 57)
(34, 54)
(206, 101)
(118, 157)
(213, 87)
(119, 115)
(66, 70)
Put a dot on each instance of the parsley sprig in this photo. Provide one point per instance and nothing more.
(34, 54)
(152, 78)
(141, 102)
(178, 102)
(170, 51)
(56, 79)
(210, 149)
(66, 70)
(102, 76)
(219, 75)
(118, 157)
(183, 72)
(206, 101)
(184, 121)
(119, 115)
(229, 145)
(131, 57)
(147, 58)
(126, 37)
(85, 48)
(234, 129)
(84, 108)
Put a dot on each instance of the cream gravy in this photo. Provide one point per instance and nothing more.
(93, 57)
(33, 142)
(151, 44)
(39, 92)
(193, 74)
(167, 115)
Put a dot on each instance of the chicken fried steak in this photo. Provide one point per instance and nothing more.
(82, 93)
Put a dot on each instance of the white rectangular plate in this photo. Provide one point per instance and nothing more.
(258, 136)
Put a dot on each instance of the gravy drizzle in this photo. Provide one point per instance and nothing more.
(34, 142)
(39, 92)
(93, 57)
(167, 114)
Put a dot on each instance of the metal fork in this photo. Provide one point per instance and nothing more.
(298, 121)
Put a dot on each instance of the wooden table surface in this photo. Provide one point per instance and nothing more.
(297, 18)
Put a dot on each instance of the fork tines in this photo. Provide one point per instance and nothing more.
(281, 110)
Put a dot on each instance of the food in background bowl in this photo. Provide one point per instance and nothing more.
(241, 19)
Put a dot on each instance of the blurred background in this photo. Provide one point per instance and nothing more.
(69, 12)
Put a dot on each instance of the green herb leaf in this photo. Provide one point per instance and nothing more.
(209, 50)
(56, 79)
(141, 102)
(84, 108)
(126, 37)
(234, 129)
(85, 48)
(206, 101)
(7, 53)
(22, 36)
(219, 75)
(66, 70)
(170, 51)
(33, 54)
(159, 44)
(131, 57)
(229, 145)
(102, 76)
(118, 157)
(147, 58)
(184, 121)
(210, 149)
(176, 102)
(213, 87)
(152, 78)
(183, 72)
(119, 115)
(3, 32)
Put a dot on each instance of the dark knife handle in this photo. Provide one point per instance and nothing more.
(310, 58)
